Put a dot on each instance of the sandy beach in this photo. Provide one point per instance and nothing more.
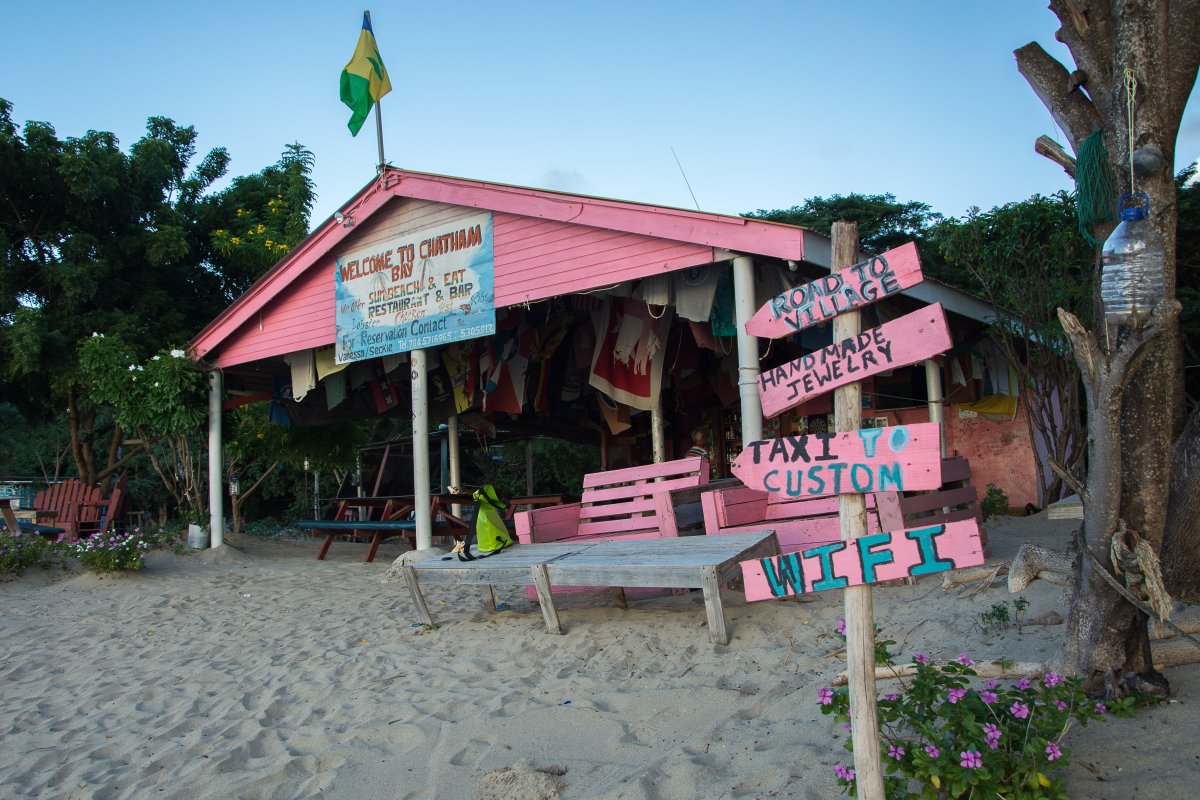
(256, 671)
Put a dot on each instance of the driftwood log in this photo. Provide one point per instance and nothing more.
(1032, 561)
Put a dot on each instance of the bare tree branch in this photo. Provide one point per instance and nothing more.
(1073, 111)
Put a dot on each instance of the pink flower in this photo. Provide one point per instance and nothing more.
(971, 759)
(921, 658)
(1023, 684)
(932, 751)
(1052, 751)
(1052, 679)
(964, 660)
(1101, 708)
(956, 695)
(891, 696)
(988, 697)
(825, 696)
(991, 735)
(1060, 705)
(991, 683)
(841, 628)
(1019, 710)
(896, 752)
(843, 772)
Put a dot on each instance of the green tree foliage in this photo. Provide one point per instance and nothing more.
(1028, 260)
(883, 223)
(93, 239)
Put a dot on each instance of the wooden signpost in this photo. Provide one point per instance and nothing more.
(899, 343)
(896, 459)
(869, 559)
(852, 461)
(853, 287)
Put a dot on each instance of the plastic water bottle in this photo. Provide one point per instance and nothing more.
(1131, 279)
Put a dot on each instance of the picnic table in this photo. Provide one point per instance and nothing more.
(688, 562)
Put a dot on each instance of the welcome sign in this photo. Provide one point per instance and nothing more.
(422, 289)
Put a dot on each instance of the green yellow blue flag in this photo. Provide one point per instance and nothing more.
(364, 79)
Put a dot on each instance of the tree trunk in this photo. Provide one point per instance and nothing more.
(1181, 541)
(1137, 62)
(1106, 636)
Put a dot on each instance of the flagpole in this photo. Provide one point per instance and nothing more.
(378, 111)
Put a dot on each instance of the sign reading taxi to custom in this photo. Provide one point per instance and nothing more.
(854, 287)
(896, 459)
(874, 558)
(907, 340)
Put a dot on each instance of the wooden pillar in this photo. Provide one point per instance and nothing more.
(747, 349)
(860, 626)
(422, 493)
(937, 406)
(216, 491)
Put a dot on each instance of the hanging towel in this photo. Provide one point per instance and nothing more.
(723, 318)
(304, 375)
(694, 291)
(628, 360)
(335, 391)
(655, 290)
(326, 363)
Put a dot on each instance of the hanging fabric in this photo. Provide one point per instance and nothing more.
(627, 364)
(335, 390)
(723, 317)
(326, 361)
(304, 374)
(694, 291)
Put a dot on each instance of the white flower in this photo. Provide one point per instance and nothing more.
(156, 358)
(97, 335)
(178, 354)
(132, 367)
(141, 368)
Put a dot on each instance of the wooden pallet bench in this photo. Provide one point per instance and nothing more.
(804, 522)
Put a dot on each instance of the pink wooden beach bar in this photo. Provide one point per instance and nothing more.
(340, 327)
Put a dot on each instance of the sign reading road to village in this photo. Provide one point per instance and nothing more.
(854, 287)
(899, 343)
(903, 458)
(876, 557)
(422, 289)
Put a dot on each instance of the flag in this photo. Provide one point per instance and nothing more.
(364, 79)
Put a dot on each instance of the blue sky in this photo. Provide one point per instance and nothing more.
(765, 103)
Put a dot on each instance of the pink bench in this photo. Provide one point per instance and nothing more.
(632, 503)
(803, 522)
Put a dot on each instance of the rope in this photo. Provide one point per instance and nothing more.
(1094, 185)
(1130, 102)
(1144, 571)
(1138, 604)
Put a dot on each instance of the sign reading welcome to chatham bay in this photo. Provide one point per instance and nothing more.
(421, 289)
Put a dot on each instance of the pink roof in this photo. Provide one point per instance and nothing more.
(546, 244)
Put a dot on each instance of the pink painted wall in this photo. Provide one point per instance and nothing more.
(999, 452)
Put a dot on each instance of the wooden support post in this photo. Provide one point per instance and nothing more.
(860, 626)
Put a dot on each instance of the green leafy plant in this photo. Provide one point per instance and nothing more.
(945, 735)
(111, 551)
(997, 618)
(995, 502)
(20, 551)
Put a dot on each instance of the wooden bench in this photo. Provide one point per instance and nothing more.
(804, 522)
(15, 526)
(631, 503)
(79, 509)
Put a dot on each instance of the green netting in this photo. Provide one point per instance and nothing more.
(1095, 193)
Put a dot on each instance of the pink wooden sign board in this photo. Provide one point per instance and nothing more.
(893, 459)
(877, 557)
(851, 288)
(899, 343)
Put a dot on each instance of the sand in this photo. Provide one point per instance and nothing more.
(260, 672)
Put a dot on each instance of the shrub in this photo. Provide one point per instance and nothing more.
(995, 502)
(19, 551)
(945, 737)
(111, 551)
